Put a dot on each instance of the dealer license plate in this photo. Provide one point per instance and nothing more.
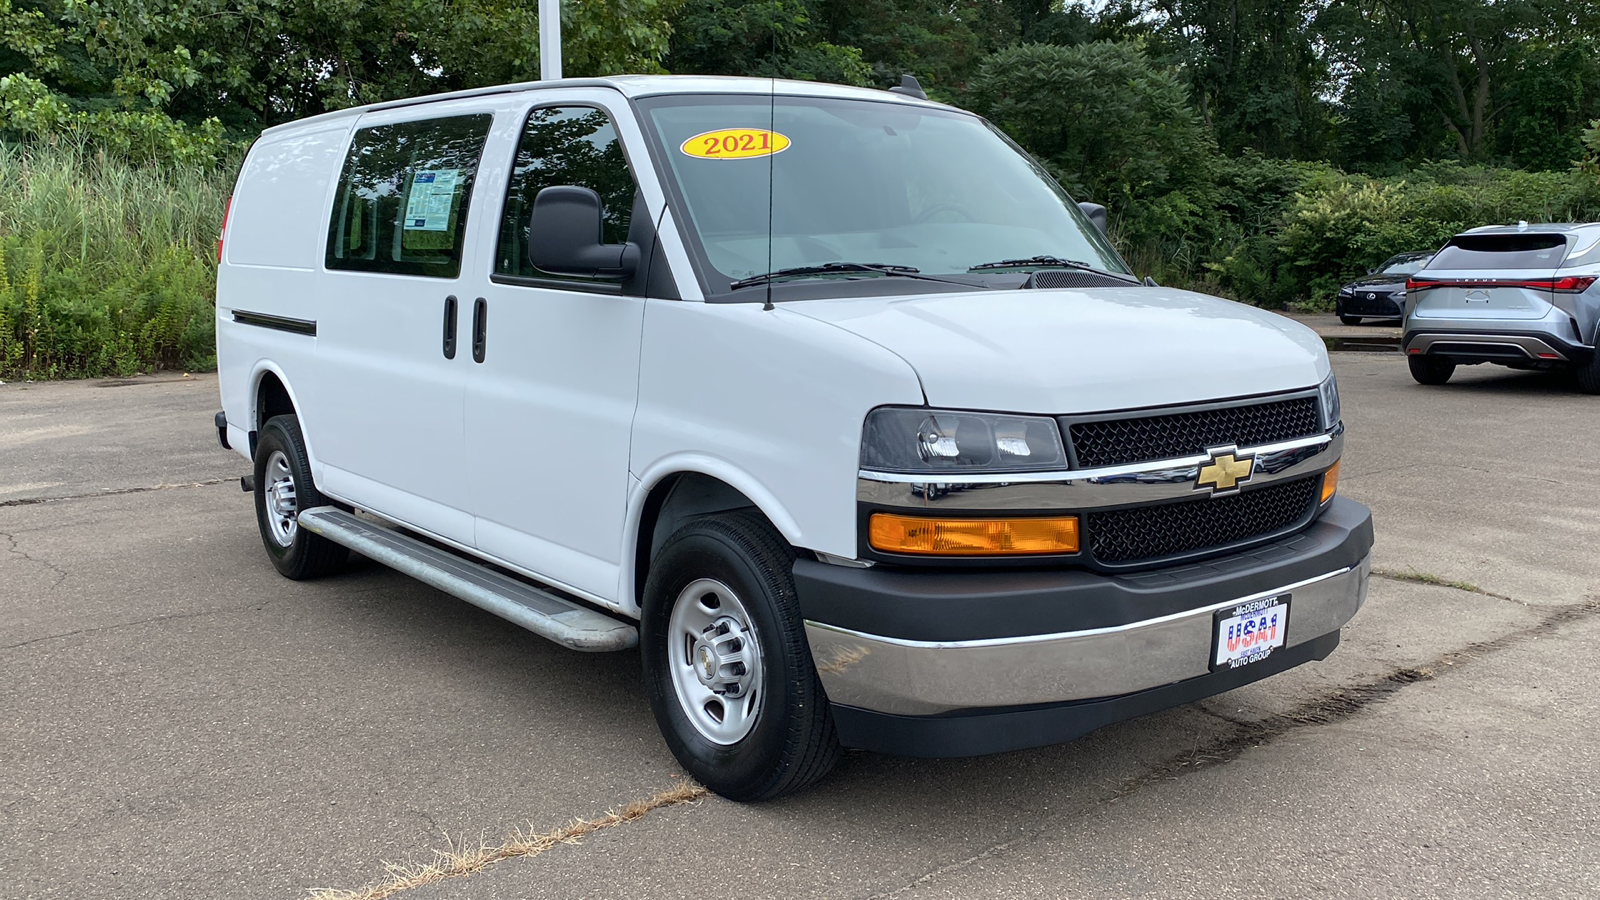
(1249, 632)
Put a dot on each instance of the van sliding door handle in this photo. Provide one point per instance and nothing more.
(480, 325)
(450, 327)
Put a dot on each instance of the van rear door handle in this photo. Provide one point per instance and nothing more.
(480, 325)
(450, 327)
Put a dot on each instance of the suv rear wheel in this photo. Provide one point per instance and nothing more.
(726, 663)
(1587, 375)
(283, 489)
(1430, 369)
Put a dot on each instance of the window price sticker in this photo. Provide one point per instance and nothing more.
(433, 192)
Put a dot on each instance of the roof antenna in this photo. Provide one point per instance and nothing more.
(772, 127)
(909, 86)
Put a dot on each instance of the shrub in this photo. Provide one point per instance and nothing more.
(1332, 235)
(106, 268)
(1277, 233)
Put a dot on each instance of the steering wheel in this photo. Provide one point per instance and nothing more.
(937, 208)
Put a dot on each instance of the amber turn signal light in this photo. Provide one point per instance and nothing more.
(1330, 482)
(972, 537)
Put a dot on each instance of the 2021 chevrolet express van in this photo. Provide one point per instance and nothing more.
(827, 399)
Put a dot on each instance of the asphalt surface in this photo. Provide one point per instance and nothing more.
(178, 721)
(1370, 335)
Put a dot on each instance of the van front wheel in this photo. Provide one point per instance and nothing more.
(283, 489)
(726, 663)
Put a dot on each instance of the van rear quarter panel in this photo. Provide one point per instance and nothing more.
(272, 260)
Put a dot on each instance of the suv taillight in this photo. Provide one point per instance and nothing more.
(1569, 284)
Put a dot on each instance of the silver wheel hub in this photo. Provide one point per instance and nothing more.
(714, 658)
(282, 506)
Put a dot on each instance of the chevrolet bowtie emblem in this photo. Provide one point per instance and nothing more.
(1226, 471)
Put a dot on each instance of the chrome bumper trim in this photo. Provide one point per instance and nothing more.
(1530, 346)
(1086, 489)
(906, 677)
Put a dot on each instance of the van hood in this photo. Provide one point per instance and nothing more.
(1077, 351)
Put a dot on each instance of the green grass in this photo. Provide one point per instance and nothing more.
(106, 267)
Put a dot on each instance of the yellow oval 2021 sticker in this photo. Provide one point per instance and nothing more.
(735, 143)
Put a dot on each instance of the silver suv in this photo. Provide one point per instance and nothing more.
(1523, 296)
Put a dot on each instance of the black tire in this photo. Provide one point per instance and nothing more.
(1430, 369)
(1587, 375)
(1349, 320)
(302, 555)
(791, 741)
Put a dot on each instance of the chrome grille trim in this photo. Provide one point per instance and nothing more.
(1087, 489)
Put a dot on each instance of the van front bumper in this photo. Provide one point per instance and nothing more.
(961, 663)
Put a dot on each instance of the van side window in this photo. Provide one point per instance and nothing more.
(403, 197)
(564, 145)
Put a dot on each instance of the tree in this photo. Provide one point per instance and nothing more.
(1253, 67)
(247, 64)
(1514, 77)
(766, 38)
(941, 42)
(1110, 124)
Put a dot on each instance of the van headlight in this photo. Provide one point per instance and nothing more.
(1329, 393)
(932, 441)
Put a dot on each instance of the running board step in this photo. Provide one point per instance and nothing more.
(541, 612)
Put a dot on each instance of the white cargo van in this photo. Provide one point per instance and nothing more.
(827, 399)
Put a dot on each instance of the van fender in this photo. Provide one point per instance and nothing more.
(698, 464)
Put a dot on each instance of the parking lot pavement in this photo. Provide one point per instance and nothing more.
(178, 721)
(1371, 335)
(62, 439)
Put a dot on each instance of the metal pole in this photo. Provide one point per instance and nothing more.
(549, 40)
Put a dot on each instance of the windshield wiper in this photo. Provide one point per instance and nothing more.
(1048, 262)
(831, 268)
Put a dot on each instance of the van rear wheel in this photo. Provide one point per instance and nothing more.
(726, 663)
(283, 489)
(1430, 369)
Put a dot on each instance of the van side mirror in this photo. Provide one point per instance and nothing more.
(1096, 214)
(564, 236)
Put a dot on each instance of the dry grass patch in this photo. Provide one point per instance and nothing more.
(455, 863)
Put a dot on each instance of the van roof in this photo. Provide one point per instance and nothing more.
(633, 86)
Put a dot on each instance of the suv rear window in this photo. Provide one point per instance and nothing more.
(403, 197)
(1501, 251)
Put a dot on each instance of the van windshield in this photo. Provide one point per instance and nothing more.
(897, 187)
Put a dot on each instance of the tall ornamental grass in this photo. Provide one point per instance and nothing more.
(106, 267)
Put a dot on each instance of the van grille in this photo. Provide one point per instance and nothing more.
(1149, 533)
(1115, 442)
